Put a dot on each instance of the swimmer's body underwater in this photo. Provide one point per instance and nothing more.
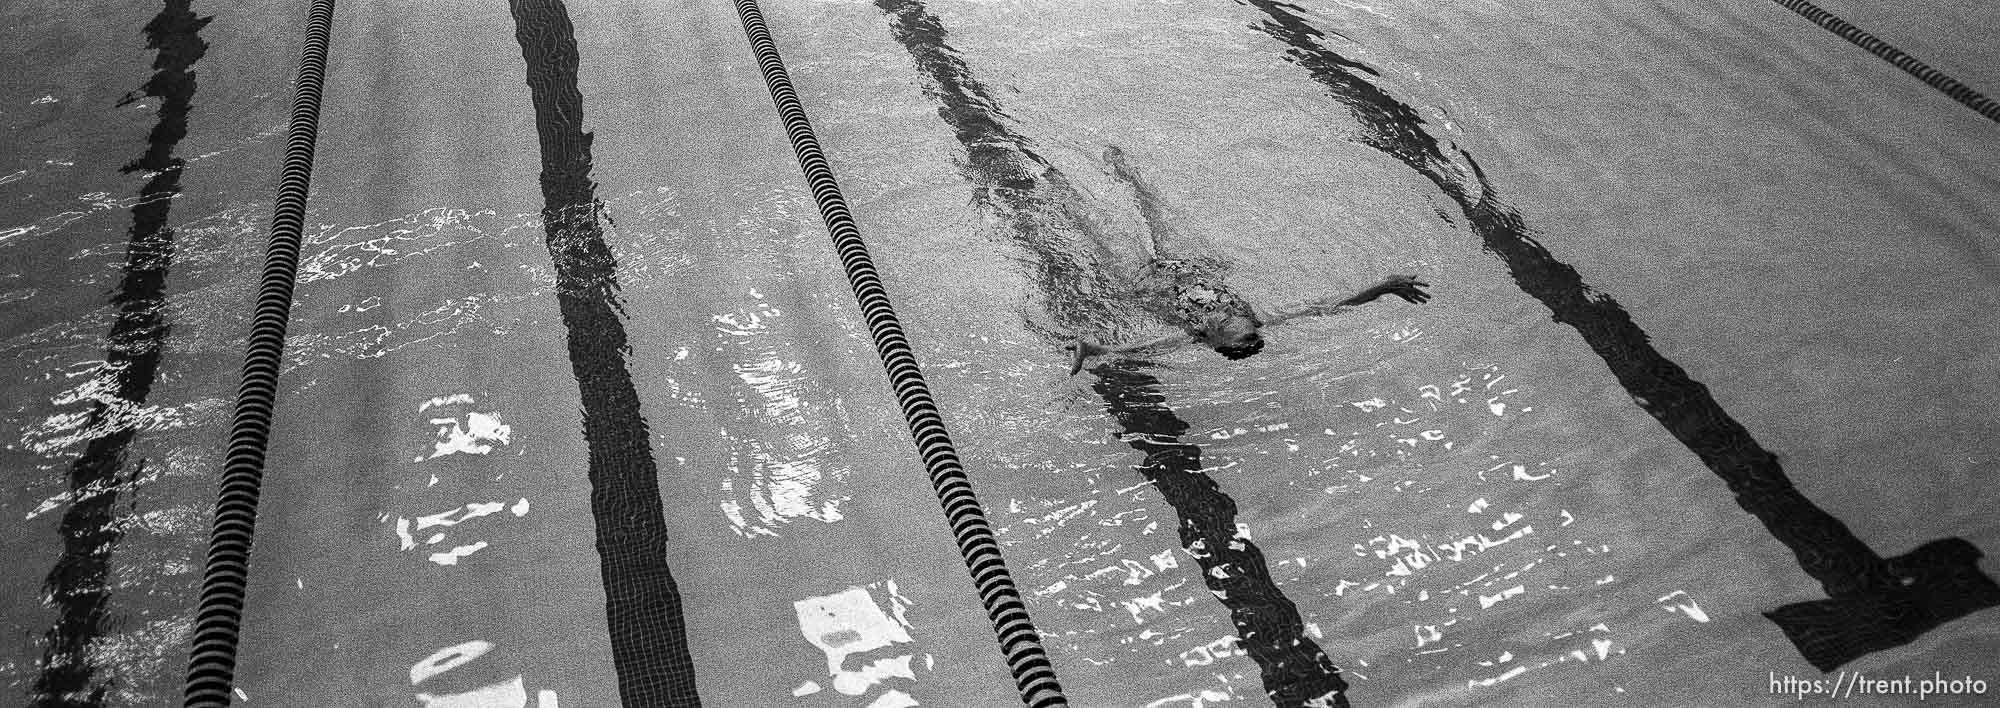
(1194, 298)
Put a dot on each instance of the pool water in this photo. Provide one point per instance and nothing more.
(1674, 247)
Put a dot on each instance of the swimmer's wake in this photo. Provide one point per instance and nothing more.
(1190, 294)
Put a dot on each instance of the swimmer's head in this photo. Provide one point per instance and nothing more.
(1234, 336)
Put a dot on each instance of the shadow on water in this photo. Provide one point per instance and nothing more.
(642, 603)
(1076, 290)
(78, 584)
(1874, 603)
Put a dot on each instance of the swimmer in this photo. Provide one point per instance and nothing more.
(1191, 296)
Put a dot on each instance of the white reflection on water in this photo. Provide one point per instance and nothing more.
(345, 250)
(92, 409)
(459, 428)
(509, 693)
(141, 647)
(87, 206)
(57, 432)
(477, 434)
(780, 420)
(852, 624)
(510, 275)
(781, 428)
(1686, 606)
(1457, 544)
(1201, 698)
(1409, 509)
(435, 325)
(1126, 592)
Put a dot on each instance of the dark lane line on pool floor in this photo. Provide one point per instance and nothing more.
(1041, 211)
(1874, 603)
(79, 584)
(1296, 671)
(649, 644)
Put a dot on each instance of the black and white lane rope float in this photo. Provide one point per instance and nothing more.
(212, 664)
(1951, 87)
(1033, 674)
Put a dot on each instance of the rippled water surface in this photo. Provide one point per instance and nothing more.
(1707, 279)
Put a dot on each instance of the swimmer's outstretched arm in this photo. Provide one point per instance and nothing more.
(1083, 348)
(1406, 287)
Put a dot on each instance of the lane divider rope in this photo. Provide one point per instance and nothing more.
(1033, 674)
(212, 664)
(1951, 87)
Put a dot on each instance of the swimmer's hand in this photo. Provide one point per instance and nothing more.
(1082, 349)
(1407, 287)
